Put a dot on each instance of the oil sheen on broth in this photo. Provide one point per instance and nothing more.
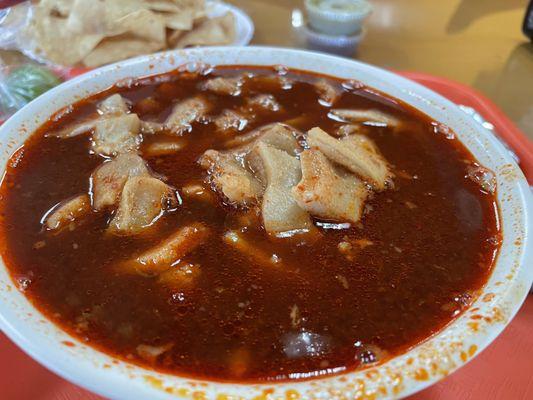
(234, 296)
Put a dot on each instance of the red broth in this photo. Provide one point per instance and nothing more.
(424, 249)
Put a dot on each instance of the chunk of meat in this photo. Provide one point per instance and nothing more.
(369, 117)
(185, 113)
(151, 353)
(280, 136)
(250, 250)
(152, 127)
(179, 276)
(143, 201)
(114, 104)
(327, 193)
(108, 180)
(327, 93)
(231, 178)
(269, 83)
(265, 102)
(347, 130)
(282, 216)
(356, 153)
(198, 191)
(74, 130)
(224, 86)
(116, 134)
(164, 146)
(169, 251)
(67, 213)
(230, 120)
(245, 139)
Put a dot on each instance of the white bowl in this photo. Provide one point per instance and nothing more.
(416, 369)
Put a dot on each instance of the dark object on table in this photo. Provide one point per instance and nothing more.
(527, 27)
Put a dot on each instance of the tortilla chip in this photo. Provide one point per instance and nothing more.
(56, 7)
(197, 5)
(52, 39)
(163, 6)
(214, 31)
(184, 20)
(70, 32)
(119, 48)
(144, 24)
(85, 18)
(116, 9)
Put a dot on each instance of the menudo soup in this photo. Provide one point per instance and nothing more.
(247, 224)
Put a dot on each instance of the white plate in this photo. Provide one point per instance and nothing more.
(244, 26)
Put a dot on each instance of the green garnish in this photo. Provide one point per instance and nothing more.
(29, 81)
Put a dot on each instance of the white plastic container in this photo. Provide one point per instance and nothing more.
(341, 45)
(337, 17)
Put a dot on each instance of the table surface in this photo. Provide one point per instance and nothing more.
(475, 42)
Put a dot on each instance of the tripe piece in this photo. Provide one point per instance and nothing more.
(75, 130)
(328, 93)
(172, 249)
(66, 213)
(185, 113)
(179, 276)
(231, 178)
(370, 117)
(265, 102)
(356, 153)
(230, 120)
(327, 193)
(280, 136)
(163, 146)
(143, 201)
(108, 180)
(224, 86)
(114, 104)
(250, 250)
(116, 134)
(282, 216)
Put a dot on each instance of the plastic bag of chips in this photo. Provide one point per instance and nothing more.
(81, 33)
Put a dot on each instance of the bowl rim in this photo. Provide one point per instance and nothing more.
(414, 370)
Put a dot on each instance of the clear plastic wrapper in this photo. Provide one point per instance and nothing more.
(19, 84)
(13, 23)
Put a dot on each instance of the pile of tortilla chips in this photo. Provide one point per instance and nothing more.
(96, 32)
